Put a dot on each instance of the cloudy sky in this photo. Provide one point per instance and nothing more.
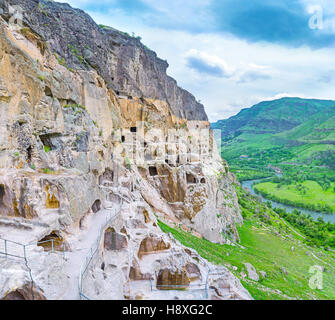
(232, 54)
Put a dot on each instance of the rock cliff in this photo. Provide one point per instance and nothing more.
(125, 64)
(91, 126)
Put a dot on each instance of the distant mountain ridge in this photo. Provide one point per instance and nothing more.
(274, 116)
(305, 128)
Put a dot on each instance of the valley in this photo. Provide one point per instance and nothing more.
(296, 148)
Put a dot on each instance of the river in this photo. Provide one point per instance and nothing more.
(326, 217)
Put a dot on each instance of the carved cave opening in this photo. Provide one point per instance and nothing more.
(48, 92)
(14, 295)
(29, 154)
(55, 238)
(96, 206)
(108, 176)
(191, 179)
(169, 280)
(48, 140)
(153, 171)
(2, 195)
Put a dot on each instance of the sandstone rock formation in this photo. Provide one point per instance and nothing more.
(78, 102)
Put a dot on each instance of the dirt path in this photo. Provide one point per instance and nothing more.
(80, 245)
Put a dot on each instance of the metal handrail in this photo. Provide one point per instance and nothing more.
(93, 250)
(24, 246)
(186, 286)
(24, 256)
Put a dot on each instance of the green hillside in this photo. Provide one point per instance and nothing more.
(291, 135)
(288, 131)
(283, 250)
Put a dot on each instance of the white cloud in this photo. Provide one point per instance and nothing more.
(208, 64)
(272, 70)
(254, 72)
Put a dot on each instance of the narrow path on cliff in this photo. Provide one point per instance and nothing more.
(80, 245)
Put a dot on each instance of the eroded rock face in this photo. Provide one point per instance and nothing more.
(28, 292)
(192, 271)
(114, 240)
(136, 274)
(151, 245)
(19, 287)
(167, 280)
(123, 62)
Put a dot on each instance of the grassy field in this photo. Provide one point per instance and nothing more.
(244, 174)
(269, 245)
(307, 194)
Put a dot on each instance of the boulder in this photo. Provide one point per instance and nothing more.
(252, 273)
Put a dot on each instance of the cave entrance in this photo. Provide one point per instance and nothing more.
(123, 139)
(29, 154)
(52, 241)
(107, 176)
(48, 92)
(96, 206)
(153, 171)
(168, 280)
(2, 195)
(82, 223)
(14, 295)
(133, 129)
(49, 140)
(191, 179)
(202, 180)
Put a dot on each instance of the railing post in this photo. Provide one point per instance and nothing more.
(52, 245)
(6, 247)
(206, 287)
(25, 253)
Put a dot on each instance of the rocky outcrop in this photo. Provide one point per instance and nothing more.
(252, 273)
(125, 64)
(114, 240)
(151, 245)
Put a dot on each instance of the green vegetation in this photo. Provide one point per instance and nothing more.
(48, 171)
(102, 26)
(292, 136)
(271, 245)
(76, 108)
(245, 173)
(319, 233)
(128, 164)
(41, 78)
(47, 149)
(75, 52)
(42, 7)
(61, 61)
(16, 154)
(307, 194)
(288, 132)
